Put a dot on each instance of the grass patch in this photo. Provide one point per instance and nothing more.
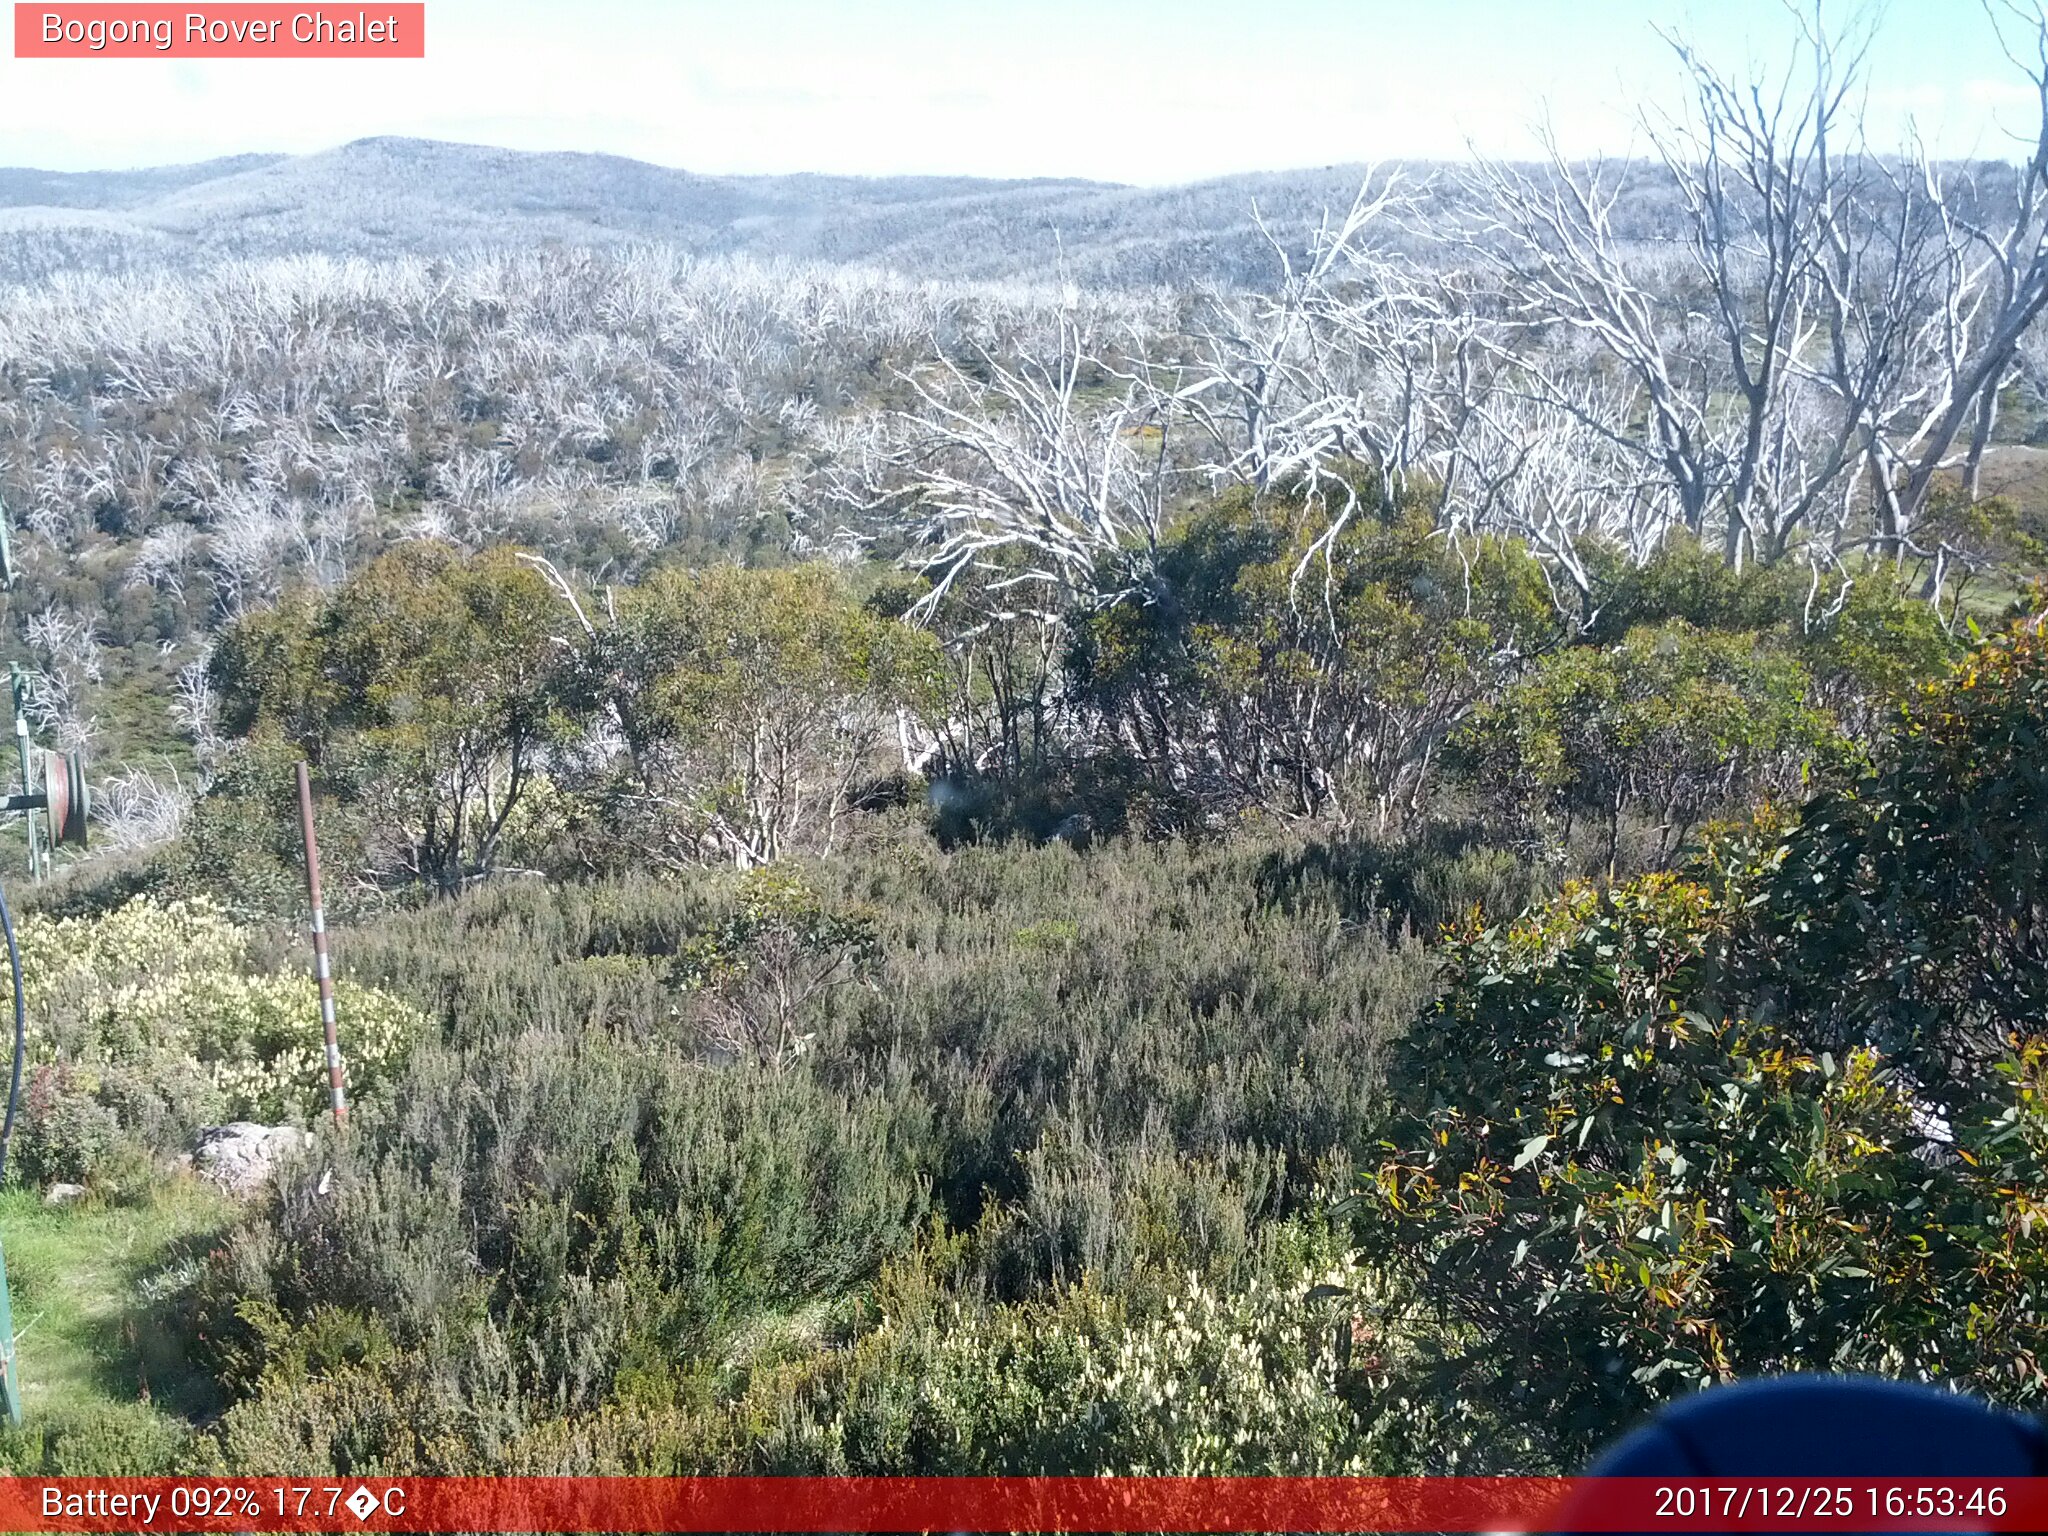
(103, 1379)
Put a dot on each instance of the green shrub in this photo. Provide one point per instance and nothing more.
(1276, 1375)
(1434, 876)
(1111, 1216)
(1674, 721)
(751, 705)
(602, 1204)
(1784, 1112)
(146, 1023)
(779, 949)
(1103, 1070)
(64, 1133)
(105, 1440)
(425, 689)
(1686, 582)
(1284, 661)
(1909, 907)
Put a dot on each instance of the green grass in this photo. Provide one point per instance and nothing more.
(84, 1281)
(2018, 471)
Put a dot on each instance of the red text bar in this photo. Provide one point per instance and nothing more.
(234, 31)
(988, 1504)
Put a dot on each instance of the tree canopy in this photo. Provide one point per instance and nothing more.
(1781, 1109)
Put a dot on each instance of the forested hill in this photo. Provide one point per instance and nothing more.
(412, 196)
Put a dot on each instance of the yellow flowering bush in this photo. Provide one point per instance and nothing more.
(1238, 1381)
(1285, 1374)
(153, 1019)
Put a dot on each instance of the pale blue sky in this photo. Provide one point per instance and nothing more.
(1146, 91)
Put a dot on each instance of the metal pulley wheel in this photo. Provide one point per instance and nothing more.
(68, 798)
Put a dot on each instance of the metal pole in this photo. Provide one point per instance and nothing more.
(10, 1365)
(321, 970)
(35, 867)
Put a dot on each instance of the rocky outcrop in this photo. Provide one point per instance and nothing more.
(242, 1156)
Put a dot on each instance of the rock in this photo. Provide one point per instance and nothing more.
(63, 1194)
(242, 1156)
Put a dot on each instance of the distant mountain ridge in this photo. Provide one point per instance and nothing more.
(115, 189)
(386, 196)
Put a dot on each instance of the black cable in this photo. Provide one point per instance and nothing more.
(20, 1033)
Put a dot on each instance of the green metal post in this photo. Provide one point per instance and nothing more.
(35, 864)
(10, 1373)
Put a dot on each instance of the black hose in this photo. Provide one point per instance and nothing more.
(20, 1033)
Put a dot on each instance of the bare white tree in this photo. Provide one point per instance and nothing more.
(138, 809)
(1960, 283)
(1341, 369)
(1016, 476)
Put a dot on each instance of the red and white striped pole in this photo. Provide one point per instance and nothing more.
(322, 971)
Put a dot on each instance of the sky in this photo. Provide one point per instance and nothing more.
(1146, 91)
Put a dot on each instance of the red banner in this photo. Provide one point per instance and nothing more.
(232, 31)
(981, 1504)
